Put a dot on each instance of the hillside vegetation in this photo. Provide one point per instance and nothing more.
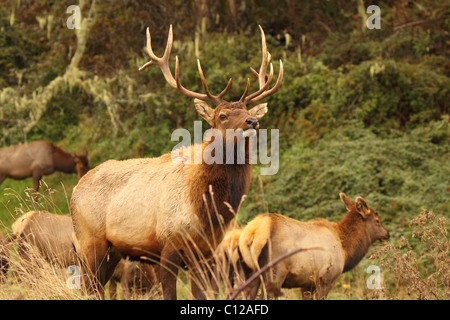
(360, 111)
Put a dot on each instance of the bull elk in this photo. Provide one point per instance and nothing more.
(342, 245)
(154, 207)
(37, 159)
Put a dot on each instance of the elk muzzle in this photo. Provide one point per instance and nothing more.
(252, 123)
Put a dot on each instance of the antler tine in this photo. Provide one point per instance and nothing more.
(246, 90)
(271, 91)
(225, 90)
(202, 78)
(182, 89)
(168, 49)
(175, 83)
(150, 52)
(263, 88)
(163, 62)
(217, 98)
(265, 58)
(261, 75)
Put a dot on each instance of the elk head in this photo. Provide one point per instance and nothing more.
(371, 219)
(82, 164)
(226, 115)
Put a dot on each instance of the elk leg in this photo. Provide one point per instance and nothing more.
(36, 183)
(108, 265)
(252, 288)
(322, 290)
(170, 262)
(198, 285)
(93, 255)
(36, 180)
(274, 280)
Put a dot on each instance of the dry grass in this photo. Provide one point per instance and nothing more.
(413, 267)
(36, 280)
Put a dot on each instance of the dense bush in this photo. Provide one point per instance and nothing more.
(398, 175)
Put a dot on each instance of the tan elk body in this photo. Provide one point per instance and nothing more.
(48, 235)
(156, 207)
(37, 159)
(334, 248)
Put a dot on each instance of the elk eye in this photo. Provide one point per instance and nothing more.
(223, 117)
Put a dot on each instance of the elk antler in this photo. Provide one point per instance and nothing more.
(175, 83)
(263, 84)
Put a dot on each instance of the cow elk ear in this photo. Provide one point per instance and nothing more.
(362, 207)
(205, 111)
(349, 204)
(259, 111)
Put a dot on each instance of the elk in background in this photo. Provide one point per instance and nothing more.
(37, 159)
(134, 277)
(47, 235)
(155, 207)
(343, 245)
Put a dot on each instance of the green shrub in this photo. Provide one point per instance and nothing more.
(397, 174)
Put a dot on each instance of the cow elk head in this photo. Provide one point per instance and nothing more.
(373, 225)
(82, 164)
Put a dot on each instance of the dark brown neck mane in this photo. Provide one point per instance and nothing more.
(229, 182)
(63, 161)
(354, 239)
(238, 176)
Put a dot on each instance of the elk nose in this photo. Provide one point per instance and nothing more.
(252, 122)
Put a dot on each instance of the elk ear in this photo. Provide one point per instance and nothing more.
(362, 207)
(258, 111)
(205, 111)
(349, 204)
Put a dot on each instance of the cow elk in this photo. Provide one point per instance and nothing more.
(37, 159)
(45, 235)
(154, 207)
(135, 278)
(339, 248)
